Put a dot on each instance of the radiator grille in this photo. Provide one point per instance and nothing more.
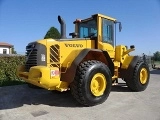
(31, 57)
(54, 56)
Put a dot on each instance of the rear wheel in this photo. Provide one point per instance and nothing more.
(92, 83)
(140, 79)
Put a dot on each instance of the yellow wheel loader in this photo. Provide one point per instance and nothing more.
(86, 63)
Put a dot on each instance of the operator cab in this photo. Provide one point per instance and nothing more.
(96, 27)
(86, 28)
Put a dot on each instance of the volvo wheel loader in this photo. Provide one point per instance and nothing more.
(86, 63)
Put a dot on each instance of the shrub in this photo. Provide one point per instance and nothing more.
(8, 67)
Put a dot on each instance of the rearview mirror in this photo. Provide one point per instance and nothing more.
(120, 26)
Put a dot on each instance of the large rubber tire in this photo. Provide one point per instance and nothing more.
(92, 83)
(140, 79)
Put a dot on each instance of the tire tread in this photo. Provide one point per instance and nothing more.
(76, 85)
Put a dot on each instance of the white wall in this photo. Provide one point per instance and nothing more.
(1, 49)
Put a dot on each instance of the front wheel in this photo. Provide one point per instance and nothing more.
(92, 83)
(140, 79)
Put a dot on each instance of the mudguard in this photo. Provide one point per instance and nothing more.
(84, 55)
(128, 73)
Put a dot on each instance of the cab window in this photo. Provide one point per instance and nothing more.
(88, 29)
(107, 31)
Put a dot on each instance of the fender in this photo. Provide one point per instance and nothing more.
(84, 55)
(128, 73)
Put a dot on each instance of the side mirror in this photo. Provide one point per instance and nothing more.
(120, 26)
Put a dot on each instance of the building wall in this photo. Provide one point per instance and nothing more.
(7, 50)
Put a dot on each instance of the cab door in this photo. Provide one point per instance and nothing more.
(107, 36)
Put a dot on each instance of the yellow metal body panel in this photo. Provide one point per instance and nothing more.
(107, 47)
(122, 56)
(70, 50)
(63, 86)
(119, 50)
(107, 17)
(126, 62)
(40, 76)
(90, 44)
(48, 43)
(117, 64)
(99, 24)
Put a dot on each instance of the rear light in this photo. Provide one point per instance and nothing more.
(77, 21)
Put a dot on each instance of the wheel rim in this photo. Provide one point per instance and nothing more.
(98, 84)
(143, 75)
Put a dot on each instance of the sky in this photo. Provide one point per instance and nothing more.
(24, 21)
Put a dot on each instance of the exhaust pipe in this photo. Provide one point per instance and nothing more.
(63, 27)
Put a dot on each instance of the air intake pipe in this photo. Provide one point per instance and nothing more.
(63, 27)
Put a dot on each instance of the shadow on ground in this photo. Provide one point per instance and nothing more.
(155, 71)
(17, 96)
(121, 87)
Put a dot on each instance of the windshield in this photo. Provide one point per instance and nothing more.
(88, 29)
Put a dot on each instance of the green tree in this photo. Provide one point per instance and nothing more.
(156, 56)
(13, 51)
(52, 33)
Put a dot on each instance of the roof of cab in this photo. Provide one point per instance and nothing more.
(104, 16)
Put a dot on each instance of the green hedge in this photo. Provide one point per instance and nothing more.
(8, 67)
